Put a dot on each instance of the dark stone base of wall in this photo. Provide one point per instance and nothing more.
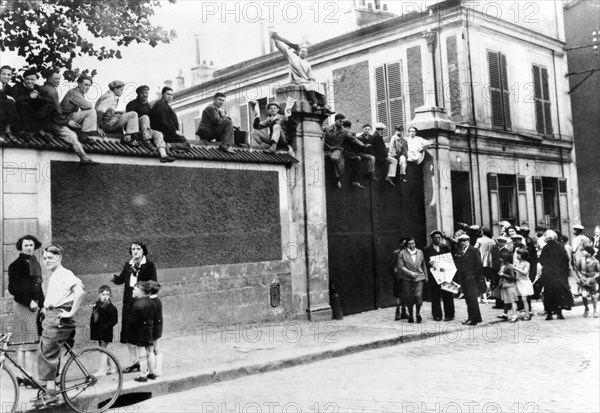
(195, 298)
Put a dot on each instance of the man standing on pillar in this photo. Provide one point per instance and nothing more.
(468, 269)
(437, 248)
(301, 72)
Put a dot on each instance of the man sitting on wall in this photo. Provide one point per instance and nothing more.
(76, 107)
(399, 151)
(150, 138)
(354, 150)
(382, 156)
(113, 121)
(60, 125)
(8, 109)
(216, 125)
(164, 119)
(274, 130)
(333, 137)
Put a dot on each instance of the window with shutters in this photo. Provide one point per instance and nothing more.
(543, 115)
(507, 196)
(389, 97)
(551, 205)
(499, 92)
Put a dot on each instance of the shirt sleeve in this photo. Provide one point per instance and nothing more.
(105, 103)
(78, 100)
(71, 282)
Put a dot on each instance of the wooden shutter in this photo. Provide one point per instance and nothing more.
(563, 205)
(543, 115)
(394, 82)
(522, 199)
(538, 199)
(499, 93)
(381, 95)
(494, 198)
(244, 117)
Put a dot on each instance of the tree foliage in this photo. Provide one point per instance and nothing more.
(52, 33)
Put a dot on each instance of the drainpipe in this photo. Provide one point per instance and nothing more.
(473, 115)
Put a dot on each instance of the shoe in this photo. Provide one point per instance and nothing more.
(513, 320)
(586, 312)
(473, 323)
(503, 316)
(152, 376)
(132, 368)
(549, 317)
(226, 148)
(437, 318)
(272, 148)
(52, 399)
(466, 323)
(497, 307)
(88, 162)
(527, 318)
(389, 181)
(129, 142)
(358, 185)
(87, 140)
(411, 320)
(448, 318)
(165, 159)
(403, 316)
(560, 317)
(141, 379)
(419, 319)
(397, 316)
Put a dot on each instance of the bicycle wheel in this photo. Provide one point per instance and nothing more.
(9, 391)
(91, 380)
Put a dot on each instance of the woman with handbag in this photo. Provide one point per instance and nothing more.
(25, 284)
(137, 269)
(589, 272)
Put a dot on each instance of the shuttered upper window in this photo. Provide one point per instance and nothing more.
(390, 100)
(499, 93)
(542, 100)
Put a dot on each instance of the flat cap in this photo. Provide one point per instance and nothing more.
(577, 226)
(435, 231)
(502, 238)
(464, 236)
(142, 89)
(380, 125)
(273, 104)
(115, 84)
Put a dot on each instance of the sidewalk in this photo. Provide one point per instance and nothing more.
(217, 353)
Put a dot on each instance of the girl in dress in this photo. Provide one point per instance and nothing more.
(508, 288)
(524, 284)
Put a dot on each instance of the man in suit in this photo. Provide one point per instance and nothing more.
(382, 157)
(437, 248)
(468, 270)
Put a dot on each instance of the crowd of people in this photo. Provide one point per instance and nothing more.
(511, 270)
(45, 322)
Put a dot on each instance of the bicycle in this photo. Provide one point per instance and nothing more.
(81, 389)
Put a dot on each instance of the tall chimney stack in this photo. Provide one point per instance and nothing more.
(198, 62)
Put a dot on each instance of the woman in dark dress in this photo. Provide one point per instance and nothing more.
(555, 275)
(137, 269)
(25, 284)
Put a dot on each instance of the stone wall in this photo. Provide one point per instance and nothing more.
(216, 231)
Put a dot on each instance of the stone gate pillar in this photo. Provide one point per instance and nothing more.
(433, 124)
(310, 269)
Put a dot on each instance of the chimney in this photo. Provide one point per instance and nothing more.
(180, 81)
(169, 83)
(271, 42)
(197, 49)
(262, 34)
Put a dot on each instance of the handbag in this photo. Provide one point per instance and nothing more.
(567, 301)
(482, 285)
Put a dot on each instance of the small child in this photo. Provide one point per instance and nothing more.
(588, 274)
(104, 318)
(157, 328)
(508, 289)
(140, 328)
(524, 285)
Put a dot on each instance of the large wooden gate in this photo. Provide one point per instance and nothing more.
(364, 226)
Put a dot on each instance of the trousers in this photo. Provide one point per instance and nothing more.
(55, 333)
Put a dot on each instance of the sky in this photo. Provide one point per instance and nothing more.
(229, 33)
